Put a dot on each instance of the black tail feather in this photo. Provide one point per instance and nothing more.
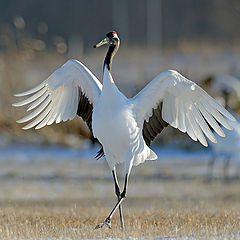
(100, 154)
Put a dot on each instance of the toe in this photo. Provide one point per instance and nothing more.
(100, 225)
(106, 222)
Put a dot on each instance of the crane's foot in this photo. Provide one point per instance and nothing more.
(106, 222)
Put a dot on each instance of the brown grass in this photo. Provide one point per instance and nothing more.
(168, 218)
(79, 197)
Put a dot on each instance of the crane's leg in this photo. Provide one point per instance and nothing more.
(122, 196)
(226, 166)
(118, 193)
(210, 167)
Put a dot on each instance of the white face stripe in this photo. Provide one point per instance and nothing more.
(116, 36)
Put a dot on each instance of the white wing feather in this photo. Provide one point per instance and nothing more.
(56, 98)
(186, 106)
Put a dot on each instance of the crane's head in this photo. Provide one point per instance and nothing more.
(111, 39)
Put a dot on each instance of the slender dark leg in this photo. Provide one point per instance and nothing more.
(117, 191)
(210, 167)
(226, 165)
(122, 196)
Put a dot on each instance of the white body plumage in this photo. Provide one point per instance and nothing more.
(114, 125)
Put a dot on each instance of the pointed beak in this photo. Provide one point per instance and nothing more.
(104, 41)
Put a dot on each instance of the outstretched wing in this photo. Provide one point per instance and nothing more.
(172, 99)
(70, 90)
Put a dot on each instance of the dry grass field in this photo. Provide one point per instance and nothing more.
(58, 199)
(215, 219)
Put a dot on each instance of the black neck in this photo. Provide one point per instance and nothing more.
(110, 54)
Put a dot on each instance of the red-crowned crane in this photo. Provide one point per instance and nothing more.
(124, 126)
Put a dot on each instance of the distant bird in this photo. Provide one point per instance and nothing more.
(221, 84)
(124, 126)
(227, 83)
(227, 148)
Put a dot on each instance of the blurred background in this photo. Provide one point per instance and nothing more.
(200, 39)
